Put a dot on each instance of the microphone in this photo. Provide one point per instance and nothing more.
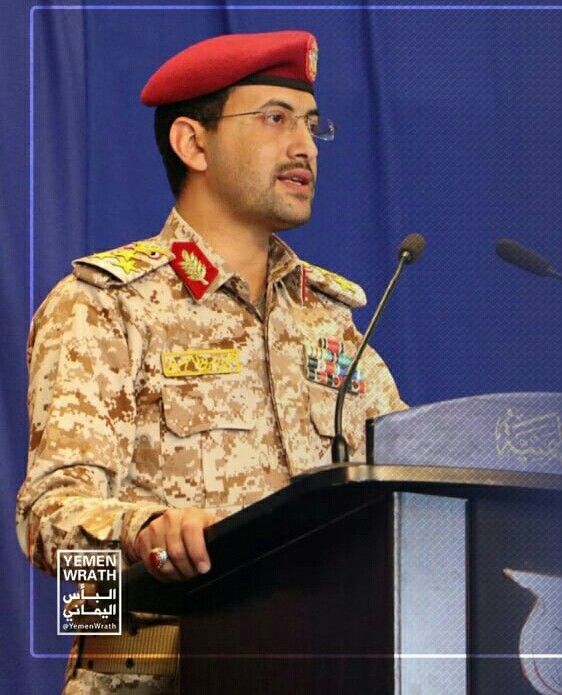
(515, 253)
(410, 250)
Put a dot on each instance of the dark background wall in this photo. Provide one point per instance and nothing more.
(448, 124)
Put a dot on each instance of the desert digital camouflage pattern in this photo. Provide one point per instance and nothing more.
(114, 441)
(92, 683)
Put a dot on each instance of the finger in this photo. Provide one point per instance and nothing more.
(146, 534)
(167, 573)
(178, 556)
(143, 545)
(194, 543)
(209, 517)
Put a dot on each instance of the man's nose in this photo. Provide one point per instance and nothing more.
(302, 143)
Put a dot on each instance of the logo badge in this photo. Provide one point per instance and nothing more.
(88, 592)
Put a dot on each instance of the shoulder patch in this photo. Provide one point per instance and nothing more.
(335, 285)
(122, 265)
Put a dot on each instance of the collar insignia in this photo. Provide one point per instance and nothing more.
(193, 267)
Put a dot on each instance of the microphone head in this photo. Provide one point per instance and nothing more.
(411, 247)
(514, 252)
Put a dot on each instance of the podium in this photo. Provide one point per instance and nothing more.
(418, 575)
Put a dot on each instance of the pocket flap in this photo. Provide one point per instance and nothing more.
(211, 402)
(323, 409)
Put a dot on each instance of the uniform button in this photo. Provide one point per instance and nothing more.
(129, 663)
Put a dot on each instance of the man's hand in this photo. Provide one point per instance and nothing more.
(180, 533)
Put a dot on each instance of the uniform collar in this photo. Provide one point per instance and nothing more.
(282, 260)
(180, 237)
(286, 266)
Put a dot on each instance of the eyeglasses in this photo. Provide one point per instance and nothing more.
(282, 121)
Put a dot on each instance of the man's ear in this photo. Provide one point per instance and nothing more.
(187, 139)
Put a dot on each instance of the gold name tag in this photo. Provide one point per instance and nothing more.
(195, 362)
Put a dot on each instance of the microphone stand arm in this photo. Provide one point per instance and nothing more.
(340, 449)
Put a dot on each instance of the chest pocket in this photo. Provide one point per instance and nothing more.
(207, 440)
(322, 413)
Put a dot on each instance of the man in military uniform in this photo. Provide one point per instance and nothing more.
(178, 379)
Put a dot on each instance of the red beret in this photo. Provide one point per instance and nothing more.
(284, 58)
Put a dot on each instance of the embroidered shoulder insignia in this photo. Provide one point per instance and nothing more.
(122, 265)
(335, 285)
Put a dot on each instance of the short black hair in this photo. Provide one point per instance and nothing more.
(205, 109)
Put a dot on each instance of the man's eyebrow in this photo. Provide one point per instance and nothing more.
(285, 105)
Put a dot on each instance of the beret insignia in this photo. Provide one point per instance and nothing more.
(312, 59)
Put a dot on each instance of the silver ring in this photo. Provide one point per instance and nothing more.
(158, 558)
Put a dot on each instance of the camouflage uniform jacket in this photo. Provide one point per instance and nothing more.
(116, 438)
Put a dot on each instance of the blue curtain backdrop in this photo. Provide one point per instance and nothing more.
(448, 124)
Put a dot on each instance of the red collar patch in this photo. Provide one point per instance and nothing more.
(193, 267)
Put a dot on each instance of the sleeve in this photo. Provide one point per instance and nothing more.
(82, 414)
(382, 396)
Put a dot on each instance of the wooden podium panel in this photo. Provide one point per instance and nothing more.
(310, 617)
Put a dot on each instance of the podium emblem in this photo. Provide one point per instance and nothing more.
(529, 437)
(540, 643)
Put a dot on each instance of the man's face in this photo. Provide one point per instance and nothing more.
(264, 173)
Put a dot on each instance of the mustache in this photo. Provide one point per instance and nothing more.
(300, 165)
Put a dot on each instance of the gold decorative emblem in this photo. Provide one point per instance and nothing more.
(193, 267)
(151, 250)
(344, 283)
(204, 361)
(312, 61)
(131, 258)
